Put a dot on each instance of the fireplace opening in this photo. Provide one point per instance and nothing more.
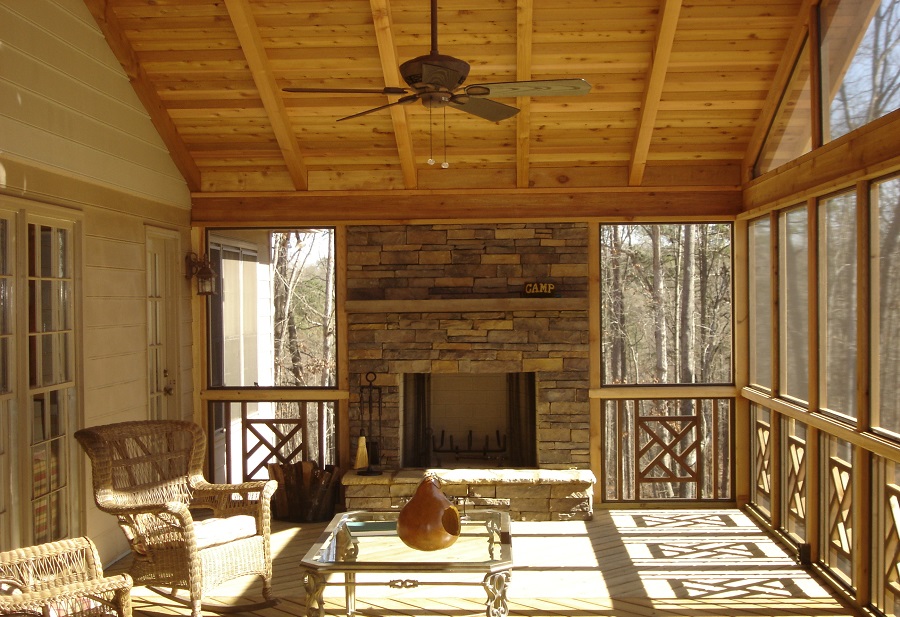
(469, 420)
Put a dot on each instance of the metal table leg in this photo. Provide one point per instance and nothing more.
(350, 592)
(315, 588)
(495, 585)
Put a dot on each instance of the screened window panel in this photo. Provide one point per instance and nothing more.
(790, 134)
(860, 63)
(837, 304)
(794, 304)
(666, 304)
(886, 305)
(760, 255)
(273, 323)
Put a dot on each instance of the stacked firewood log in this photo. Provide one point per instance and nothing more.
(305, 492)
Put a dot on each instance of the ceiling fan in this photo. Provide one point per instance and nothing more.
(437, 80)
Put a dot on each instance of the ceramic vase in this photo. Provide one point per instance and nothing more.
(428, 521)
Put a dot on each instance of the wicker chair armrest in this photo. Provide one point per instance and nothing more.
(114, 590)
(52, 559)
(175, 508)
(227, 499)
(253, 486)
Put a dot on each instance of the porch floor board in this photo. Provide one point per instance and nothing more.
(624, 563)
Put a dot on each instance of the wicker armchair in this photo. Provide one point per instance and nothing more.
(149, 474)
(61, 578)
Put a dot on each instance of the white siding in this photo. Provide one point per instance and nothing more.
(73, 134)
(66, 104)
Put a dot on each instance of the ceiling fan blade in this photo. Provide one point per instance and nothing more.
(544, 87)
(400, 101)
(388, 90)
(483, 108)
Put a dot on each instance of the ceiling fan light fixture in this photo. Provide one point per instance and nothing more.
(445, 72)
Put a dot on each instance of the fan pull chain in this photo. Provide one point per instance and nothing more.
(430, 160)
(445, 164)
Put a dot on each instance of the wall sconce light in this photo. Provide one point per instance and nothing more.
(200, 267)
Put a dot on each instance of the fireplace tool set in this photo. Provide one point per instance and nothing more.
(367, 451)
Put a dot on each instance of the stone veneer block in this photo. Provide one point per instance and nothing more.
(524, 491)
(373, 490)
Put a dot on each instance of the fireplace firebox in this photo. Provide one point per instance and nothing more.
(469, 420)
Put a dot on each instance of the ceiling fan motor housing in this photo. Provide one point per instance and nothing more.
(435, 71)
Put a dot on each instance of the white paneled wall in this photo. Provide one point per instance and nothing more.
(75, 143)
(67, 105)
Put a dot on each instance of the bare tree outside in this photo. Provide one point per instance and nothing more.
(303, 290)
(304, 331)
(660, 285)
(861, 63)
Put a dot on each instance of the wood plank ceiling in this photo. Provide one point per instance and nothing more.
(682, 91)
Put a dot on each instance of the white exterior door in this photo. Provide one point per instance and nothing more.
(162, 340)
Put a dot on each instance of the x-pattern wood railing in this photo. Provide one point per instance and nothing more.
(285, 433)
(669, 449)
(796, 479)
(763, 460)
(892, 544)
(840, 500)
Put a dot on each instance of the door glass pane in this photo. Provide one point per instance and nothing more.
(5, 268)
(50, 360)
(7, 379)
(837, 303)
(63, 263)
(45, 251)
(7, 361)
(38, 419)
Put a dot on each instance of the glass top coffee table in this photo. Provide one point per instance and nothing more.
(366, 541)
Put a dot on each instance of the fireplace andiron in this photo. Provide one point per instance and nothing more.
(368, 453)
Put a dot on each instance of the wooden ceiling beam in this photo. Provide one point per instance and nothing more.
(115, 36)
(358, 207)
(524, 30)
(254, 52)
(662, 52)
(387, 51)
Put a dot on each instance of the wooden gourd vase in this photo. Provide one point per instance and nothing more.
(428, 521)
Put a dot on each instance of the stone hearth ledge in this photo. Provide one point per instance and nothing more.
(528, 494)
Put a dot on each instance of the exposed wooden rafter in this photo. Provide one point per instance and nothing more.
(114, 33)
(251, 43)
(659, 66)
(387, 51)
(524, 29)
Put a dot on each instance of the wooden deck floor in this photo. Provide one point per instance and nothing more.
(698, 563)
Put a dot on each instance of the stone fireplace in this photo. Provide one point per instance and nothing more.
(448, 300)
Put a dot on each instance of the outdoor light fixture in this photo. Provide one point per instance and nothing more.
(206, 276)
